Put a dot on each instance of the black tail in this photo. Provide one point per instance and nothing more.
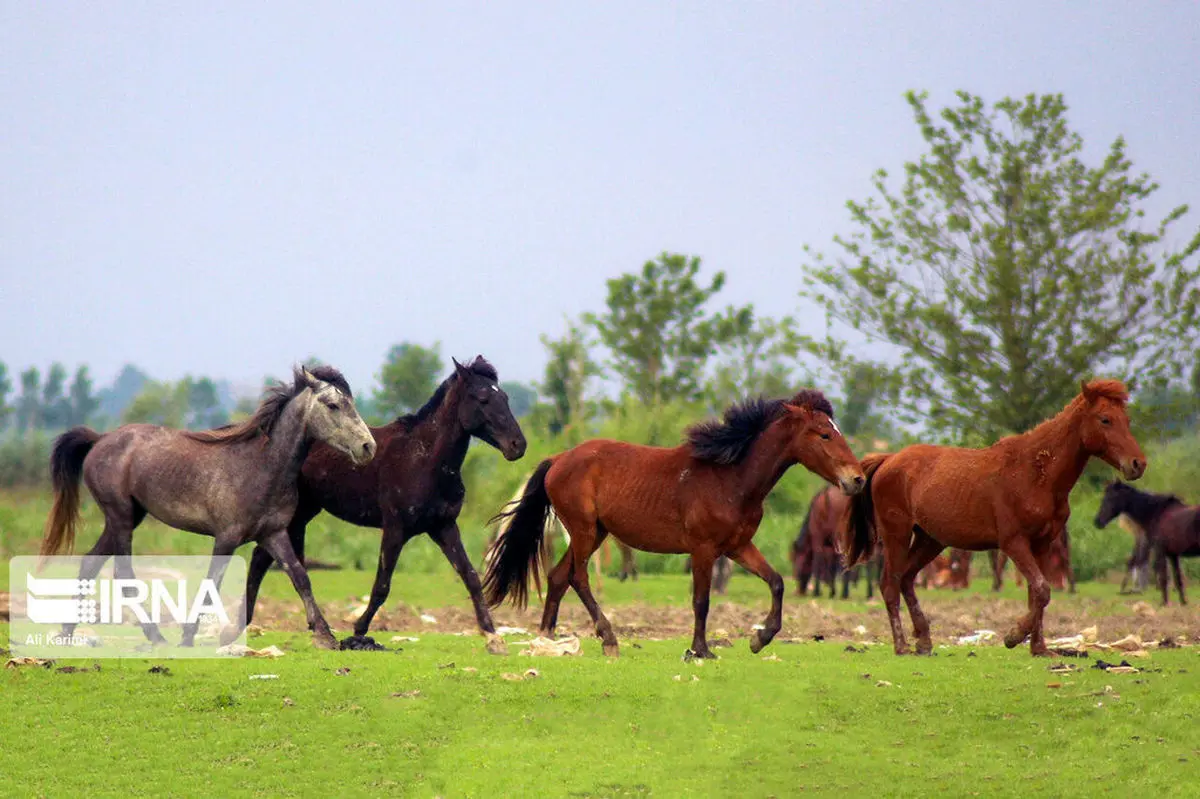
(518, 549)
(858, 534)
(66, 467)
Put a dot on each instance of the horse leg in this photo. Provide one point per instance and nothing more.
(449, 540)
(1030, 625)
(997, 559)
(895, 564)
(846, 582)
(260, 564)
(703, 563)
(803, 573)
(749, 558)
(1160, 574)
(628, 562)
(394, 539)
(222, 549)
(1178, 575)
(122, 544)
(93, 561)
(557, 582)
(280, 547)
(583, 547)
(922, 550)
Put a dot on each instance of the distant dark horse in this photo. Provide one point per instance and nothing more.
(704, 498)
(413, 486)
(236, 484)
(814, 552)
(1172, 529)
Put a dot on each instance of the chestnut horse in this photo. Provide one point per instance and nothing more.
(1172, 529)
(951, 571)
(703, 498)
(814, 552)
(1012, 496)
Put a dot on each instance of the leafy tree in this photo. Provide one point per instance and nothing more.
(29, 403)
(161, 403)
(754, 358)
(56, 408)
(204, 406)
(115, 398)
(5, 389)
(521, 398)
(81, 402)
(1005, 269)
(658, 330)
(409, 376)
(568, 372)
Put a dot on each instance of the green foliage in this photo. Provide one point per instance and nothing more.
(658, 330)
(409, 376)
(189, 403)
(754, 358)
(1006, 269)
(29, 403)
(56, 408)
(569, 369)
(81, 402)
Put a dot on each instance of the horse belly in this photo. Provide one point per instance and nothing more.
(956, 514)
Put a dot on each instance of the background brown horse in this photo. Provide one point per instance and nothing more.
(1058, 572)
(814, 552)
(704, 498)
(1012, 495)
(951, 571)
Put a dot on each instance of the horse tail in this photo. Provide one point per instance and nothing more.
(857, 535)
(518, 552)
(66, 468)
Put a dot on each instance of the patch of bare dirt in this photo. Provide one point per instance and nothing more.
(950, 616)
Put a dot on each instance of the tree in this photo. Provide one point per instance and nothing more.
(521, 398)
(753, 359)
(204, 406)
(5, 389)
(116, 398)
(29, 403)
(81, 402)
(409, 376)
(658, 330)
(1006, 269)
(56, 408)
(162, 403)
(568, 372)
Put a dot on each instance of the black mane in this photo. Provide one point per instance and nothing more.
(728, 440)
(478, 366)
(1141, 506)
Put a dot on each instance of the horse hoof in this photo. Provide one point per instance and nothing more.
(902, 649)
(1043, 652)
(924, 649)
(611, 650)
(325, 641)
(1015, 638)
(358, 643)
(757, 643)
(703, 654)
(496, 645)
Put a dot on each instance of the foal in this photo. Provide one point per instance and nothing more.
(236, 484)
(704, 498)
(1012, 495)
(1172, 530)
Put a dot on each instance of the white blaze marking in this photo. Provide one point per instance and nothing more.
(834, 425)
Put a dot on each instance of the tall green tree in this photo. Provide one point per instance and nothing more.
(521, 398)
(163, 403)
(755, 358)
(1005, 268)
(56, 408)
(5, 389)
(659, 330)
(204, 406)
(29, 403)
(81, 401)
(409, 376)
(569, 369)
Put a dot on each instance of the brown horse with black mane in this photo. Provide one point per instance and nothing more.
(703, 498)
(1012, 496)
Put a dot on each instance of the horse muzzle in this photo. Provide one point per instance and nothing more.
(1133, 469)
(363, 454)
(513, 449)
(852, 483)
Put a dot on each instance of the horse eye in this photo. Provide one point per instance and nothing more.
(333, 408)
(1105, 420)
(825, 436)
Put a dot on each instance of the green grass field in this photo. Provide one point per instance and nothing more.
(818, 719)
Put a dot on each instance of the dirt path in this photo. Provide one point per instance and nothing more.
(950, 617)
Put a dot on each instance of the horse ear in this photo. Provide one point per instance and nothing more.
(309, 377)
(459, 369)
(1087, 393)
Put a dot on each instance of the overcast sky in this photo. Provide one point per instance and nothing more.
(226, 188)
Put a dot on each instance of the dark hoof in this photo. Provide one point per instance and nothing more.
(612, 650)
(361, 643)
(1015, 638)
(757, 643)
(703, 654)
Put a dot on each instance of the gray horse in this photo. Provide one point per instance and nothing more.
(236, 484)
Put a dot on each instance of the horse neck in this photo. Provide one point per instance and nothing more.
(445, 439)
(288, 444)
(1145, 507)
(765, 465)
(1058, 452)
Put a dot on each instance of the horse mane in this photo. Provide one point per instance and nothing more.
(728, 440)
(271, 408)
(1142, 502)
(1107, 389)
(479, 366)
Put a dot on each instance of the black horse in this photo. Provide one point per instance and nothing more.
(1172, 529)
(412, 486)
